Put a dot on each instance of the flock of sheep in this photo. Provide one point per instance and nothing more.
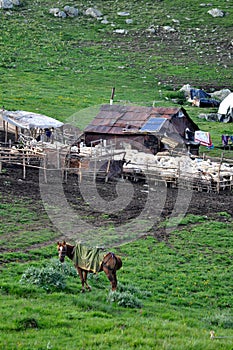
(195, 171)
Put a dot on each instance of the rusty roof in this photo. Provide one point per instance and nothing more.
(121, 119)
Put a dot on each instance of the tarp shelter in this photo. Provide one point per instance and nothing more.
(225, 111)
(141, 125)
(22, 120)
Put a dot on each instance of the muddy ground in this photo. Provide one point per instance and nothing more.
(201, 203)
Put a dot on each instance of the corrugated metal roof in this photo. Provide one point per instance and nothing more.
(118, 119)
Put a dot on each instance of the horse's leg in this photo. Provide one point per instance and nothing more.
(80, 272)
(112, 277)
(85, 280)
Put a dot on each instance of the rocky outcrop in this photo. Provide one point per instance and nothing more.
(67, 11)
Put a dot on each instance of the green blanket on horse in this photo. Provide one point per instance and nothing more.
(87, 258)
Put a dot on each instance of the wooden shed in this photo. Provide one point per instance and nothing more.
(155, 128)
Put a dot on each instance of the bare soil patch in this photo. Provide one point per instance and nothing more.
(202, 203)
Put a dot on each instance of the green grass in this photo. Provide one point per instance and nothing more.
(178, 292)
(66, 69)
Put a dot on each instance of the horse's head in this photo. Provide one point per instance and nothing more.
(62, 249)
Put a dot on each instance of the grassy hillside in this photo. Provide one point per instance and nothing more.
(58, 66)
(61, 67)
(171, 293)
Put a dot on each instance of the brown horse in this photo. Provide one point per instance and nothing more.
(110, 264)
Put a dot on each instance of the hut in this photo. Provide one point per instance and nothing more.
(27, 123)
(154, 128)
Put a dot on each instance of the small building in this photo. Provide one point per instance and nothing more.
(28, 123)
(154, 128)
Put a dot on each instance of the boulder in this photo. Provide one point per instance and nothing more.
(71, 11)
(61, 14)
(6, 4)
(93, 12)
(54, 11)
(221, 94)
(216, 13)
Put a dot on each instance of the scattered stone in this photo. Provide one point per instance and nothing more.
(216, 13)
(151, 30)
(54, 11)
(105, 21)
(123, 13)
(71, 11)
(204, 5)
(120, 31)
(93, 12)
(186, 88)
(68, 11)
(61, 14)
(128, 21)
(6, 4)
(221, 94)
(211, 117)
(168, 29)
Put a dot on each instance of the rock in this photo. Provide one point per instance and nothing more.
(6, 4)
(71, 11)
(186, 90)
(120, 31)
(168, 29)
(211, 117)
(128, 21)
(61, 14)
(221, 94)
(123, 13)
(16, 2)
(216, 13)
(54, 11)
(104, 21)
(151, 30)
(93, 12)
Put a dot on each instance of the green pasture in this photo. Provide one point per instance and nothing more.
(170, 295)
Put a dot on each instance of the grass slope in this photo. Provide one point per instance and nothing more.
(66, 69)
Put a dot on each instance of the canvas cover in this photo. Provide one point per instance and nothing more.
(226, 105)
(88, 258)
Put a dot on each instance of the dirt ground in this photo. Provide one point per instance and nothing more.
(201, 203)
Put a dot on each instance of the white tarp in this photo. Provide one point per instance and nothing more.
(226, 105)
(30, 120)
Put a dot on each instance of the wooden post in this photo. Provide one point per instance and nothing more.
(16, 133)
(107, 171)
(6, 133)
(219, 170)
(94, 175)
(80, 170)
(24, 166)
(45, 169)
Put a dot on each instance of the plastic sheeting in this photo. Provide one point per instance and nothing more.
(30, 120)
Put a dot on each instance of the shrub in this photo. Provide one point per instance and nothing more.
(221, 319)
(124, 299)
(64, 268)
(27, 323)
(47, 278)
